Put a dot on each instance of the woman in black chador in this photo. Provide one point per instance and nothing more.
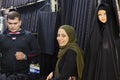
(101, 56)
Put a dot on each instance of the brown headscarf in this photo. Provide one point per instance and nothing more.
(72, 44)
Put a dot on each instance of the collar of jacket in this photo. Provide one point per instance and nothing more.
(6, 32)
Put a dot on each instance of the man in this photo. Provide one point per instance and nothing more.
(17, 46)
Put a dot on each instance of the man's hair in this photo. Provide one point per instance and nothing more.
(12, 15)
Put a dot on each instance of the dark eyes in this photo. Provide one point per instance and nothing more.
(12, 23)
(102, 14)
(61, 35)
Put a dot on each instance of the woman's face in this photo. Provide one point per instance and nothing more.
(102, 16)
(62, 37)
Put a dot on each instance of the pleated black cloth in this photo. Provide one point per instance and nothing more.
(101, 62)
(47, 32)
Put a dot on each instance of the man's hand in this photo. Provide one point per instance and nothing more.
(20, 56)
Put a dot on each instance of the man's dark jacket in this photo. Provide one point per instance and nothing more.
(10, 44)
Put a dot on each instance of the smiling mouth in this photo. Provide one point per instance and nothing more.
(103, 19)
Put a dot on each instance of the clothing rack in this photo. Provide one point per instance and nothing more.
(23, 5)
(30, 3)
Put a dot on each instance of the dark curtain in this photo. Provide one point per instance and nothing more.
(47, 21)
(47, 40)
(117, 26)
(116, 11)
(0, 3)
(39, 19)
(116, 30)
(15, 3)
(80, 16)
(29, 15)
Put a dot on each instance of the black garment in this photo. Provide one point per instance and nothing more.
(67, 66)
(47, 64)
(101, 55)
(10, 44)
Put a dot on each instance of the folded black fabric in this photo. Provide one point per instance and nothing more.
(14, 77)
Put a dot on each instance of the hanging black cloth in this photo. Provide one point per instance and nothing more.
(101, 61)
(47, 32)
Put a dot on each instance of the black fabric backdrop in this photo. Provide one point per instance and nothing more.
(79, 15)
(38, 18)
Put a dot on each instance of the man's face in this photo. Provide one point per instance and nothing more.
(14, 24)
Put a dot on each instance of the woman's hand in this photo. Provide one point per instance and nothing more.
(49, 77)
